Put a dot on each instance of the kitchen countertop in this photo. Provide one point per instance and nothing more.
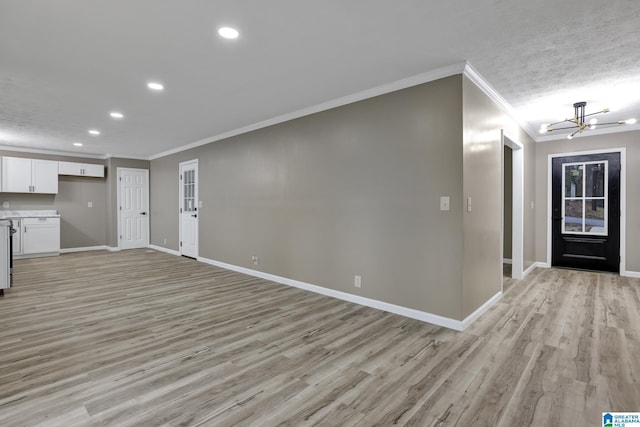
(30, 214)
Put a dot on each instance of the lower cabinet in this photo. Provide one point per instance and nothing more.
(40, 236)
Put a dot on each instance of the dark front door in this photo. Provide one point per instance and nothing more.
(585, 210)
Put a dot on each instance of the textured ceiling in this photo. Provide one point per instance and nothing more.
(65, 64)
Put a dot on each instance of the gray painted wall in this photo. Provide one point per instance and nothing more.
(508, 202)
(483, 121)
(80, 226)
(630, 141)
(353, 190)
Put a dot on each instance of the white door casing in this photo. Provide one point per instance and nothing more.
(188, 208)
(133, 208)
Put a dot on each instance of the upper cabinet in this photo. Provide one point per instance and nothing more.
(80, 169)
(29, 175)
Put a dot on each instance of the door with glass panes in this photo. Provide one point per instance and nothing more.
(586, 212)
(189, 209)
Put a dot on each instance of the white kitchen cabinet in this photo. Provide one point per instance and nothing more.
(29, 175)
(80, 169)
(40, 235)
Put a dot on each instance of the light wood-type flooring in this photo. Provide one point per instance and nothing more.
(143, 338)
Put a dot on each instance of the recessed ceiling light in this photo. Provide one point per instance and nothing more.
(630, 121)
(94, 132)
(116, 115)
(78, 144)
(228, 32)
(155, 86)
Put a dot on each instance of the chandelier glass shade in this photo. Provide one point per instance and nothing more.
(578, 123)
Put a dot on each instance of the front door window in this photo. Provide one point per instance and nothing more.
(584, 207)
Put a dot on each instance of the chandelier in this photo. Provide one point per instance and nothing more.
(578, 122)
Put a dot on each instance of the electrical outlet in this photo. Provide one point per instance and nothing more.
(357, 281)
(254, 260)
(89, 204)
(165, 240)
(5, 204)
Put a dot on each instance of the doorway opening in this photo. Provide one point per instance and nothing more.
(513, 206)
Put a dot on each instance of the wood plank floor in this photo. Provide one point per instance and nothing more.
(142, 338)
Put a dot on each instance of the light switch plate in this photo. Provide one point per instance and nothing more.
(89, 204)
(468, 204)
(444, 203)
(5, 204)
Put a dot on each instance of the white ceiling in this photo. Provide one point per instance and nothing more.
(65, 64)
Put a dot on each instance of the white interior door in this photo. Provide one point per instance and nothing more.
(189, 208)
(133, 201)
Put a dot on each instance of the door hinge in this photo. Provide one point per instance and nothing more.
(180, 210)
(180, 244)
(121, 237)
(120, 178)
(180, 177)
(120, 207)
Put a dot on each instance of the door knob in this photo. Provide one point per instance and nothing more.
(143, 213)
(195, 215)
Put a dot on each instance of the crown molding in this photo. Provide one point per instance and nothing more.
(51, 152)
(473, 75)
(125, 156)
(418, 79)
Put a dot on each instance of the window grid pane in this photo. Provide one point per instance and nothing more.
(584, 206)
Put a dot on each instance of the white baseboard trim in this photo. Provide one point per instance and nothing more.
(635, 274)
(530, 269)
(507, 261)
(166, 250)
(38, 255)
(480, 311)
(86, 248)
(368, 302)
(113, 249)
